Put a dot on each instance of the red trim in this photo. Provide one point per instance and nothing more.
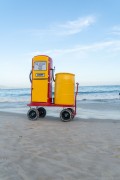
(49, 100)
(49, 104)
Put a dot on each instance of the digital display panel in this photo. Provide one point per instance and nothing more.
(40, 65)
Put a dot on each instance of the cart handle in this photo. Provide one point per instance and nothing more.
(76, 89)
(76, 95)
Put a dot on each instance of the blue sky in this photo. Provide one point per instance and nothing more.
(82, 37)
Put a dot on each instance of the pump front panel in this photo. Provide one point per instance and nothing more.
(39, 91)
(40, 79)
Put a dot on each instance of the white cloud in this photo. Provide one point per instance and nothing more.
(76, 26)
(66, 28)
(109, 46)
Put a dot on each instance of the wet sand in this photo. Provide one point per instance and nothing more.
(48, 149)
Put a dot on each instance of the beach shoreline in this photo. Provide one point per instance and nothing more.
(93, 102)
(51, 149)
(85, 109)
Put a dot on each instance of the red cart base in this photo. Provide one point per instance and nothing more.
(67, 114)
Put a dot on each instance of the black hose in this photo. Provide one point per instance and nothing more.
(30, 76)
(53, 78)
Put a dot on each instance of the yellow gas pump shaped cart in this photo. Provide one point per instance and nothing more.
(42, 78)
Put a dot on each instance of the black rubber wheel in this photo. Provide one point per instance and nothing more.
(33, 114)
(66, 115)
(42, 112)
(72, 111)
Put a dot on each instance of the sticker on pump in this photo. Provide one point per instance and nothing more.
(40, 75)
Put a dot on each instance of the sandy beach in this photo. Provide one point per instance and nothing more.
(48, 149)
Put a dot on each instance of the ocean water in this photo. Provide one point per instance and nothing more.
(92, 102)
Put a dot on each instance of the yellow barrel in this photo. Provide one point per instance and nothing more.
(64, 88)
